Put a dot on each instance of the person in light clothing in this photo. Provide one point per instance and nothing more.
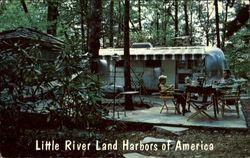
(164, 88)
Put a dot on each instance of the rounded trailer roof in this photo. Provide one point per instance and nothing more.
(160, 53)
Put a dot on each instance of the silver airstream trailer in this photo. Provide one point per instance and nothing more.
(175, 62)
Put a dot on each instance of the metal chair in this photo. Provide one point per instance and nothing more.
(200, 104)
(166, 97)
(231, 98)
(123, 94)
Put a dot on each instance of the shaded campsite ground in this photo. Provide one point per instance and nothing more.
(226, 142)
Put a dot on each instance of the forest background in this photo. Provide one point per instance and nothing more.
(86, 26)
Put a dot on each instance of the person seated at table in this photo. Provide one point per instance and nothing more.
(227, 78)
(164, 88)
(226, 85)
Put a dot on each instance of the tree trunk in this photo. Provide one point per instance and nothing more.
(176, 21)
(207, 29)
(25, 9)
(241, 20)
(132, 23)
(87, 5)
(95, 33)
(118, 43)
(52, 17)
(217, 23)
(224, 25)
(87, 37)
(165, 22)
(24, 6)
(128, 98)
(186, 18)
(139, 16)
(82, 6)
(157, 25)
(111, 23)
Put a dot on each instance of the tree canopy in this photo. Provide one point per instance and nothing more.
(67, 89)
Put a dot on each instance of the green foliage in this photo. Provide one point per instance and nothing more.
(13, 16)
(28, 81)
(64, 90)
(237, 54)
(73, 13)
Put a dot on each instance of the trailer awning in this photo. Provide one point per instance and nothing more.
(163, 53)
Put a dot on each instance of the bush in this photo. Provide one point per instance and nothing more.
(237, 55)
(63, 90)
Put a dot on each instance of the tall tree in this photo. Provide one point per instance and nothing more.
(176, 20)
(203, 18)
(217, 23)
(111, 23)
(128, 98)
(207, 28)
(95, 32)
(191, 24)
(25, 9)
(241, 20)
(88, 23)
(165, 22)
(186, 17)
(83, 4)
(224, 24)
(139, 15)
(120, 24)
(52, 17)
(157, 25)
(24, 6)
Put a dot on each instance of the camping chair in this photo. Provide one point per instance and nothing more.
(166, 97)
(200, 104)
(231, 98)
(121, 95)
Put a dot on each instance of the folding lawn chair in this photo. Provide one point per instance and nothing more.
(202, 103)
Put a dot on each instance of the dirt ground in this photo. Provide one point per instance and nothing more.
(225, 143)
(221, 142)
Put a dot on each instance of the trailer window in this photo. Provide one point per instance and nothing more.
(182, 65)
(153, 63)
(191, 64)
